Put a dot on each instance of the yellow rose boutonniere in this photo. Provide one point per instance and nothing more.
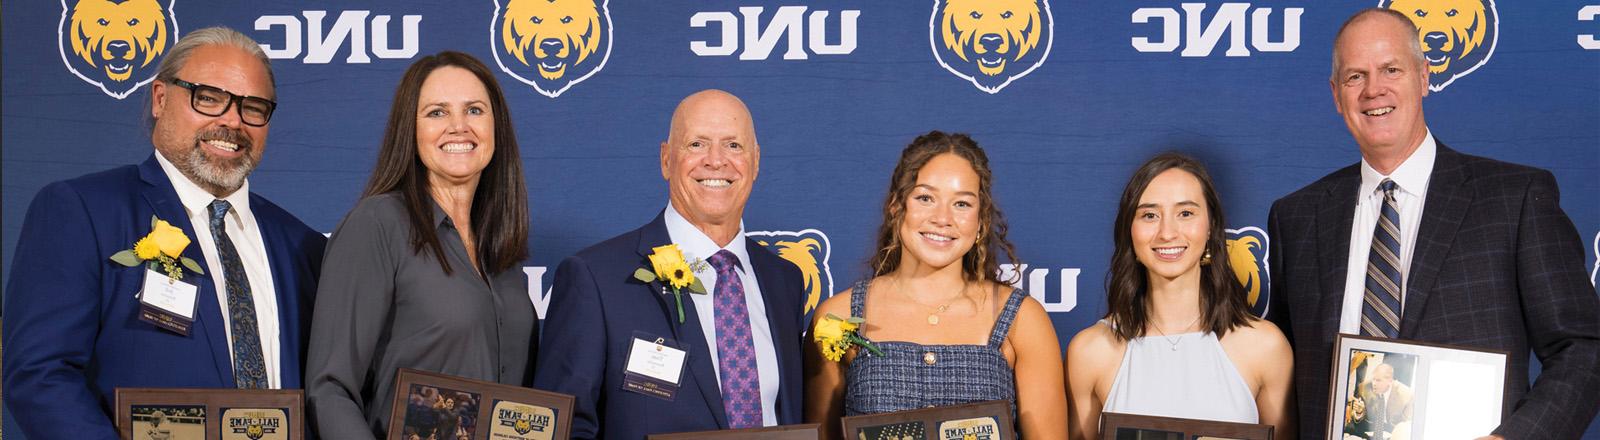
(835, 335)
(668, 266)
(162, 246)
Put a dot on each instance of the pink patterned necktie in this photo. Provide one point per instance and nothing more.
(736, 351)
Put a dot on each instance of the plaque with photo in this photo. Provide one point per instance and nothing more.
(206, 414)
(974, 421)
(430, 405)
(1391, 388)
(1118, 426)
(809, 431)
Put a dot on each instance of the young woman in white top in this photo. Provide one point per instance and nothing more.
(1179, 339)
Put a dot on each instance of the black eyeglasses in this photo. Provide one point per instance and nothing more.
(212, 101)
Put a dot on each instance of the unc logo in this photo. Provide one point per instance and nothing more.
(1457, 36)
(551, 44)
(113, 44)
(1247, 254)
(990, 42)
(807, 249)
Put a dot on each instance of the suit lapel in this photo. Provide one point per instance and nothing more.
(689, 332)
(1334, 221)
(1445, 206)
(163, 199)
(287, 288)
(778, 306)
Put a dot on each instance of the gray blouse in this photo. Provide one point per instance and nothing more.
(381, 307)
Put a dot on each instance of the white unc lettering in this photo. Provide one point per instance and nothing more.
(1169, 33)
(536, 291)
(787, 25)
(1200, 38)
(1034, 282)
(1588, 41)
(321, 44)
(730, 34)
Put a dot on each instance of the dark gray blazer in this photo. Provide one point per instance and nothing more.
(1498, 265)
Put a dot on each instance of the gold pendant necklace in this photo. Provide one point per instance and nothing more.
(933, 318)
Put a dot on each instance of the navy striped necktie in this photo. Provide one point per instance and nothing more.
(1380, 306)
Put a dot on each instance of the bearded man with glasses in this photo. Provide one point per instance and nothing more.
(106, 291)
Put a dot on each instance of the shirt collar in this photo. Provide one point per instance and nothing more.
(440, 218)
(1411, 176)
(697, 245)
(196, 199)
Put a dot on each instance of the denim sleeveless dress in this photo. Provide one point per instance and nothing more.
(915, 376)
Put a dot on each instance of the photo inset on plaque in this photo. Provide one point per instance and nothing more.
(980, 428)
(440, 413)
(1147, 434)
(517, 421)
(254, 424)
(897, 431)
(1378, 403)
(168, 422)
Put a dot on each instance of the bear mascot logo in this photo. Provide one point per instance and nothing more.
(1457, 36)
(113, 44)
(808, 250)
(551, 44)
(1247, 255)
(990, 42)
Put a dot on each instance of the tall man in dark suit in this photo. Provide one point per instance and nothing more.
(75, 326)
(639, 360)
(1420, 242)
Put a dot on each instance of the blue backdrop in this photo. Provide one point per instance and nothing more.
(837, 88)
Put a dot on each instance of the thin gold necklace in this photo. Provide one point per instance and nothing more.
(933, 317)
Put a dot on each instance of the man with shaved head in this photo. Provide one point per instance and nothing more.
(643, 357)
(1420, 242)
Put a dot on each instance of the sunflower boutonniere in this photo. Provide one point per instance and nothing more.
(163, 246)
(835, 335)
(668, 266)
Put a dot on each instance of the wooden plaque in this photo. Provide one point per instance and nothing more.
(809, 431)
(207, 413)
(428, 404)
(981, 421)
(1117, 426)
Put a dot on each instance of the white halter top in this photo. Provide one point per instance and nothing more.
(1194, 381)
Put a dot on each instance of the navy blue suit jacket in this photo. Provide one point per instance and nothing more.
(72, 329)
(596, 310)
(1496, 265)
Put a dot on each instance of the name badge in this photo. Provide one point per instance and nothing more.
(654, 367)
(167, 303)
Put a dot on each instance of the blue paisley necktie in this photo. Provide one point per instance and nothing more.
(249, 370)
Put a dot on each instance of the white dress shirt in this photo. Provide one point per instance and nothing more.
(246, 236)
(697, 246)
(1411, 190)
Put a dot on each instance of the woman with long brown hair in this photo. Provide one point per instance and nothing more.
(424, 272)
(1178, 339)
(945, 328)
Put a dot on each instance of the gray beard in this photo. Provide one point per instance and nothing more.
(212, 173)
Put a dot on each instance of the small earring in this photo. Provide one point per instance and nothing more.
(1206, 259)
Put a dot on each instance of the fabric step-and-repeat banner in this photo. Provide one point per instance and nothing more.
(1068, 97)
